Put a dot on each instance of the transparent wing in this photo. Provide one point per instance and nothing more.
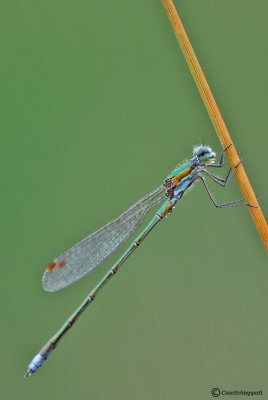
(84, 256)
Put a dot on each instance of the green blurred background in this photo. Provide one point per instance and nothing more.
(97, 107)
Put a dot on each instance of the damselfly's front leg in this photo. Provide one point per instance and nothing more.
(221, 163)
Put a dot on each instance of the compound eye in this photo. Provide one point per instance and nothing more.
(202, 153)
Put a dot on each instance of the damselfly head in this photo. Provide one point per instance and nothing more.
(204, 153)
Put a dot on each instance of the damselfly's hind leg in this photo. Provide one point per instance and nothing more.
(235, 203)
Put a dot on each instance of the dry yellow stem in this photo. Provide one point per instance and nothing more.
(216, 119)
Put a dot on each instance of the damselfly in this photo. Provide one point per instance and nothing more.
(91, 251)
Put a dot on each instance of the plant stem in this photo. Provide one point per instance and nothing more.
(216, 119)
